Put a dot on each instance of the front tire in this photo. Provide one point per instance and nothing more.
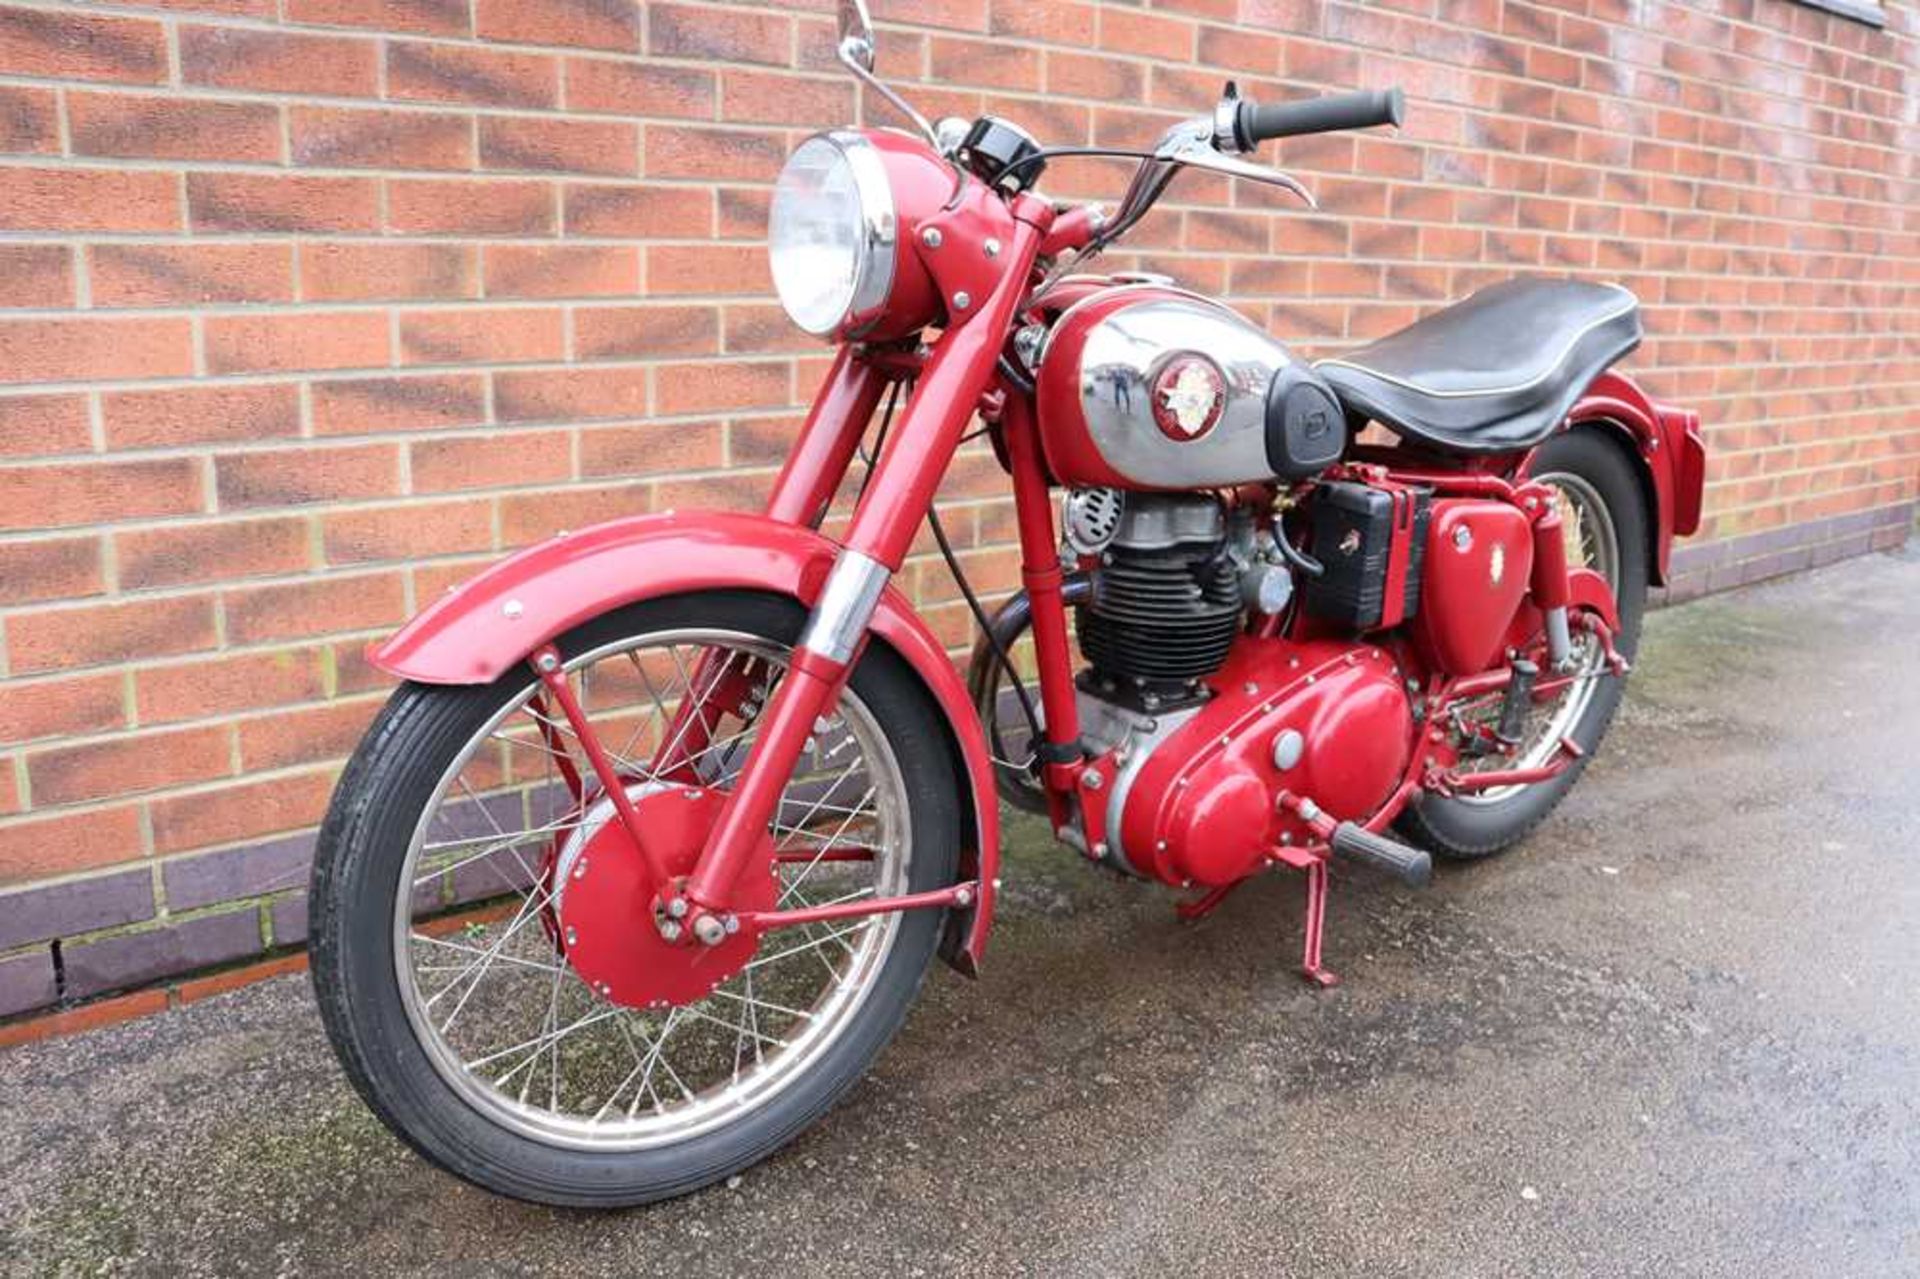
(616, 1106)
(1599, 488)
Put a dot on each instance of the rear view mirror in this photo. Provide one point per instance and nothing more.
(856, 34)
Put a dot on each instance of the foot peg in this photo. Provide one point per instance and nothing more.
(1356, 843)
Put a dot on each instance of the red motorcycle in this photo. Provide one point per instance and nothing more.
(647, 857)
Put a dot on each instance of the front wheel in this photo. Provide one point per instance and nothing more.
(441, 938)
(1606, 523)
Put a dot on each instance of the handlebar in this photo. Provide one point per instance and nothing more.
(1363, 109)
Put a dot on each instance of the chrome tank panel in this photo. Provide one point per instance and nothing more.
(1096, 376)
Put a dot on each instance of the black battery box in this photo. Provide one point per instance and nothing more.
(1371, 539)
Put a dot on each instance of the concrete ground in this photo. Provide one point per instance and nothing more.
(1677, 1032)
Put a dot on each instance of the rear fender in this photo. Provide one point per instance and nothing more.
(475, 633)
(1666, 445)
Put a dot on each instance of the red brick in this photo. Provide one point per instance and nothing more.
(352, 138)
(127, 765)
(700, 388)
(775, 98)
(61, 707)
(292, 477)
(279, 62)
(357, 272)
(718, 35)
(583, 24)
(644, 332)
(470, 208)
(531, 517)
(1146, 35)
(720, 155)
(997, 64)
(67, 638)
(156, 128)
(559, 145)
(189, 275)
(570, 394)
(29, 121)
(360, 406)
(420, 17)
(653, 449)
(709, 269)
(224, 685)
(199, 414)
(76, 200)
(232, 979)
(259, 202)
(50, 569)
(36, 275)
(491, 461)
(40, 425)
(304, 736)
(68, 493)
(323, 340)
(562, 270)
(319, 606)
(743, 213)
(638, 88)
(1091, 76)
(238, 811)
(1056, 22)
(514, 335)
(757, 330)
(196, 553)
(461, 73)
(646, 211)
(408, 532)
(89, 349)
(65, 842)
(72, 46)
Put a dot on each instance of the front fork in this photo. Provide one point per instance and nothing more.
(957, 373)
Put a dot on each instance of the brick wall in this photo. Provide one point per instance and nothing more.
(313, 306)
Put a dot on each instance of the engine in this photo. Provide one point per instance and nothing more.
(1207, 723)
(1166, 600)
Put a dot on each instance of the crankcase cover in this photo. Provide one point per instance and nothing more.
(1325, 719)
(1144, 386)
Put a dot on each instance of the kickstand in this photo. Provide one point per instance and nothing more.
(1314, 864)
(1310, 965)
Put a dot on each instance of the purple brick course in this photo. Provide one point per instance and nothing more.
(175, 947)
(77, 906)
(250, 871)
(290, 920)
(27, 981)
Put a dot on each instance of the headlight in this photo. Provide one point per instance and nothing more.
(832, 232)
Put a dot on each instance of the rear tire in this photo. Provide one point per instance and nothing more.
(369, 841)
(1464, 830)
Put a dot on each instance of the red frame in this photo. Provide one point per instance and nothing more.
(981, 265)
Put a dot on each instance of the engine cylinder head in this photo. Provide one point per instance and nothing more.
(1166, 598)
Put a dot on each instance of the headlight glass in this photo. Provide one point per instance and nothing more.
(831, 232)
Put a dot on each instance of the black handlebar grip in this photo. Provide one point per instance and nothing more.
(1361, 109)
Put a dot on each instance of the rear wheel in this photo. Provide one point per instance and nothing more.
(1606, 525)
(445, 959)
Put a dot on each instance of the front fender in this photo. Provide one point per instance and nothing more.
(475, 633)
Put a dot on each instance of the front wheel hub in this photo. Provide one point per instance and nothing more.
(606, 900)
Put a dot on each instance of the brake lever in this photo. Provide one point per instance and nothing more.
(1194, 149)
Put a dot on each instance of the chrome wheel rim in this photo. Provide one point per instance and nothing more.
(1591, 543)
(512, 1029)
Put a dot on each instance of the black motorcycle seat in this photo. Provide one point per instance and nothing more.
(1494, 373)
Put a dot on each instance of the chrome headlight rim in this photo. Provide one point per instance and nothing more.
(878, 234)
